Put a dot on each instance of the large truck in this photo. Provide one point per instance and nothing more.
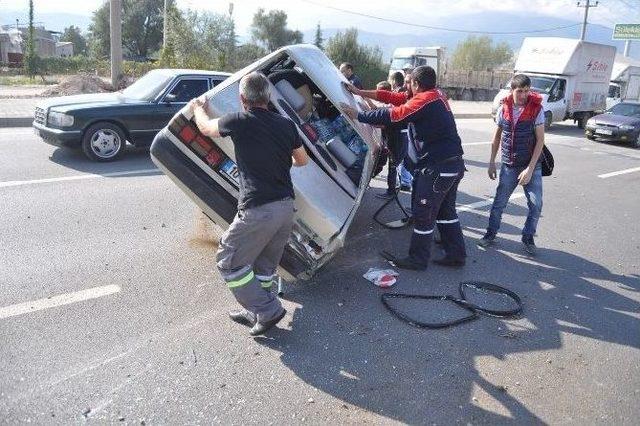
(404, 57)
(571, 75)
(625, 81)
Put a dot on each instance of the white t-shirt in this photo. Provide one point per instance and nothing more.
(517, 112)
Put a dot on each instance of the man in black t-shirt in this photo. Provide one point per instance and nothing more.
(266, 145)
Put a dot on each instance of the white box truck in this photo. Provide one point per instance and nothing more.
(416, 56)
(571, 75)
(625, 81)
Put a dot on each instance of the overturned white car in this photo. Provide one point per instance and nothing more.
(308, 89)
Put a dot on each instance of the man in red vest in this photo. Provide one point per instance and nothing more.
(520, 137)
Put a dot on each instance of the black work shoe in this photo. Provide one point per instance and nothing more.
(262, 327)
(529, 245)
(487, 240)
(244, 317)
(448, 261)
(407, 263)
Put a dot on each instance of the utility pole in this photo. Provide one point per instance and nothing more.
(586, 13)
(116, 41)
(165, 26)
(627, 45)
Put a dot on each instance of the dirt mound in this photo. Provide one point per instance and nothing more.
(78, 84)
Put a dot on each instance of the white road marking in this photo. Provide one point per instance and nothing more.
(476, 143)
(483, 203)
(77, 177)
(63, 299)
(620, 172)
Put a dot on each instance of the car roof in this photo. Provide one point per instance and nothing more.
(184, 71)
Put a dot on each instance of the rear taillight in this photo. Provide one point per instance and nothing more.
(201, 145)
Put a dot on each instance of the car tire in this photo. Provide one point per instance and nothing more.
(591, 138)
(104, 141)
(548, 118)
(582, 121)
(636, 143)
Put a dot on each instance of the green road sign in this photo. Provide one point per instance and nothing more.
(626, 32)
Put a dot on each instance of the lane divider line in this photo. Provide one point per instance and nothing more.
(619, 172)
(487, 202)
(60, 300)
(11, 183)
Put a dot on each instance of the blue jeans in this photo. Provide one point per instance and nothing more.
(405, 176)
(532, 190)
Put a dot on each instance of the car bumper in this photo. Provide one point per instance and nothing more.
(58, 137)
(616, 134)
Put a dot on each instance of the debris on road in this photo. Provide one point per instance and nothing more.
(383, 278)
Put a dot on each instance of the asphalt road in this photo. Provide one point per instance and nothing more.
(111, 309)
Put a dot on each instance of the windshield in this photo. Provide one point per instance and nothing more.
(399, 63)
(147, 87)
(630, 110)
(542, 84)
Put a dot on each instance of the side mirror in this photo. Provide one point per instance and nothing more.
(170, 98)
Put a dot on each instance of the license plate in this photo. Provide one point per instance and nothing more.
(230, 169)
(604, 132)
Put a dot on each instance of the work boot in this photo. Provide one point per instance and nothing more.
(529, 245)
(262, 327)
(450, 262)
(407, 263)
(488, 239)
(244, 317)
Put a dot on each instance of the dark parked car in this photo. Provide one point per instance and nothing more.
(101, 123)
(621, 123)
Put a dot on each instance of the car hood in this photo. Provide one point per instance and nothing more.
(66, 103)
(615, 120)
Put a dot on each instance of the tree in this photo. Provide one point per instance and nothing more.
(31, 58)
(247, 54)
(479, 54)
(142, 26)
(202, 40)
(318, 39)
(367, 61)
(270, 30)
(73, 35)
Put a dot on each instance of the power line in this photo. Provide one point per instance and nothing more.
(437, 28)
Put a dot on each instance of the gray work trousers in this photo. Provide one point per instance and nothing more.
(250, 251)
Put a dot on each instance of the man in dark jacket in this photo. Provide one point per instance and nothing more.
(520, 137)
(436, 150)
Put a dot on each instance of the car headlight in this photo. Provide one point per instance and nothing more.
(60, 119)
(626, 127)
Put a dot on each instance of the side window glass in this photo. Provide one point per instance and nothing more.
(215, 82)
(188, 89)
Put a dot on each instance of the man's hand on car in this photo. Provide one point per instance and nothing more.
(351, 88)
(350, 111)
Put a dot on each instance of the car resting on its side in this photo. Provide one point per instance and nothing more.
(306, 88)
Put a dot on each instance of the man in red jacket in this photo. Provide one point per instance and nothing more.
(520, 137)
(436, 151)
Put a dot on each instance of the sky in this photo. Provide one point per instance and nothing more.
(305, 14)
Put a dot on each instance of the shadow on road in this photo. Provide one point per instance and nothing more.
(133, 159)
(343, 342)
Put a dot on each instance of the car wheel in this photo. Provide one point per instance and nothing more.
(591, 138)
(547, 120)
(636, 143)
(103, 142)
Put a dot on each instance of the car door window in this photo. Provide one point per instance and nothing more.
(187, 89)
(215, 82)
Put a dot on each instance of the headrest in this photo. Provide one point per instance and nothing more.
(291, 95)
